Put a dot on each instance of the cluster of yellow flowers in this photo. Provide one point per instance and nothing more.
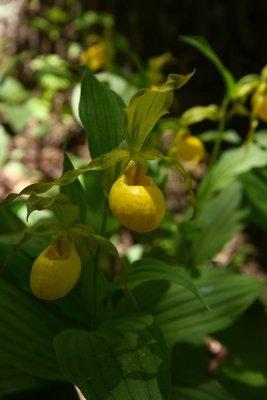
(136, 202)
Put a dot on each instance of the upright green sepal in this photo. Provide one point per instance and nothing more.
(147, 106)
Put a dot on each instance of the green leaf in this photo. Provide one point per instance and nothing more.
(38, 203)
(76, 307)
(98, 164)
(246, 85)
(101, 113)
(229, 136)
(255, 187)
(65, 211)
(147, 106)
(11, 90)
(26, 334)
(123, 360)
(261, 138)
(4, 140)
(107, 246)
(191, 377)
(232, 163)
(218, 221)
(179, 313)
(75, 190)
(245, 372)
(207, 391)
(13, 380)
(203, 46)
(153, 270)
(199, 113)
(117, 83)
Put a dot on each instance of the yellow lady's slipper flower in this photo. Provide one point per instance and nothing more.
(189, 148)
(55, 271)
(259, 101)
(96, 56)
(136, 201)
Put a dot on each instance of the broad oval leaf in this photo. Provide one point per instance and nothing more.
(124, 360)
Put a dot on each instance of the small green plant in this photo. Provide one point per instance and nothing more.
(136, 325)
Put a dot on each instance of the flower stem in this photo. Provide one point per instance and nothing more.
(221, 127)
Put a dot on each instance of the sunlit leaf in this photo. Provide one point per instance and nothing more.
(232, 163)
(218, 221)
(261, 138)
(199, 113)
(147, 106)
(229, 136)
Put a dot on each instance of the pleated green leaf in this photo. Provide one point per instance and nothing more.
(13, 380)
(26, 334)
(232, 164)
(199, 113)
(102, 115)
(125, 360)
(153, 270)
(147, 106)
(75, 190)
(255, 187)
(180, 314)
(207, 391)
(218, 220)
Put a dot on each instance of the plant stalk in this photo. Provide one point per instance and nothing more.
(96, 262)
(221, 127)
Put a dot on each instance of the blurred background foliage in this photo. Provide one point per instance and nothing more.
(132, 45)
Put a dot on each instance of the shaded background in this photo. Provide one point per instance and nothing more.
(235, 29)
